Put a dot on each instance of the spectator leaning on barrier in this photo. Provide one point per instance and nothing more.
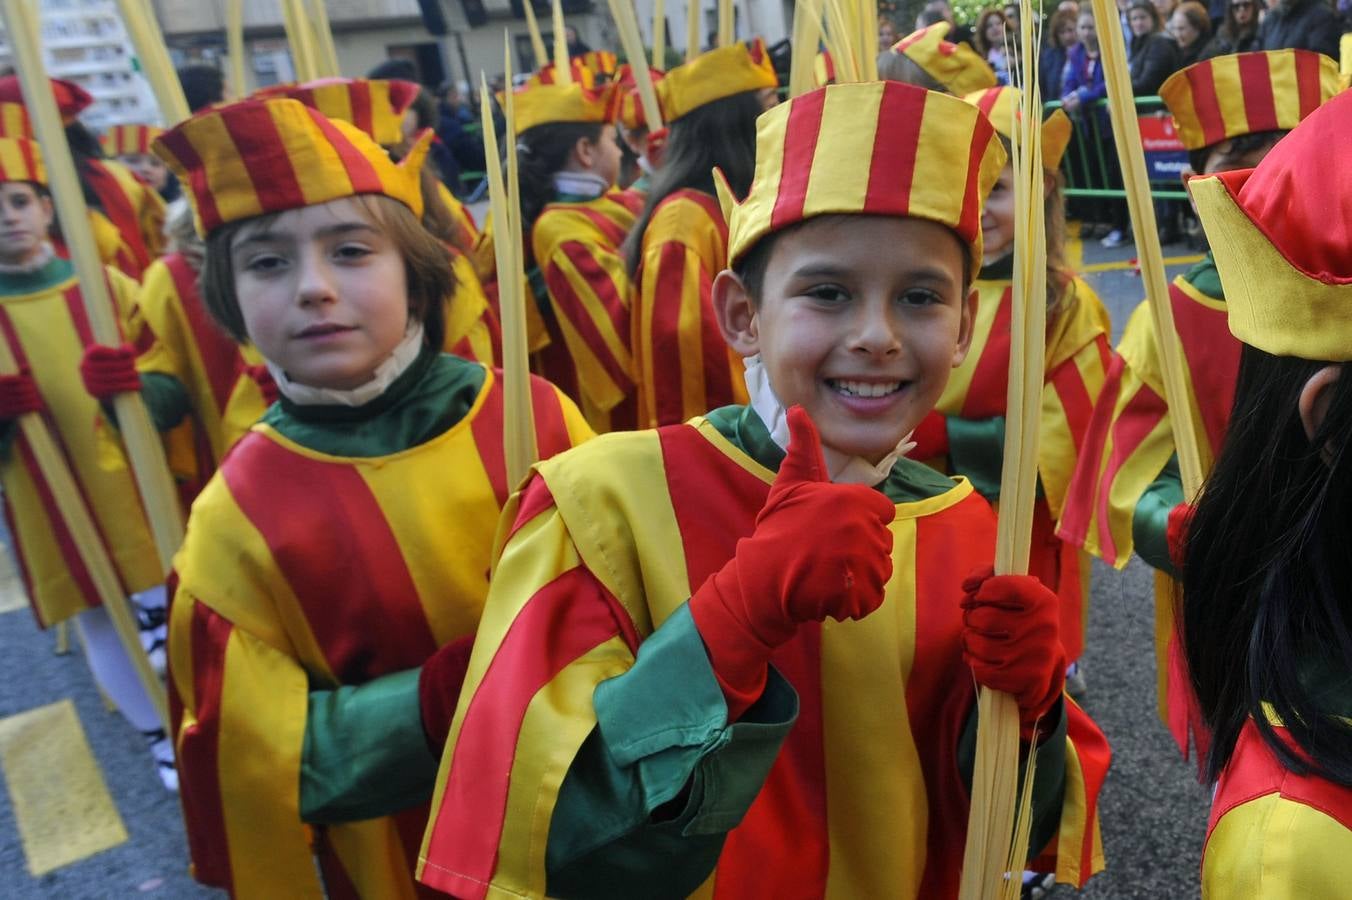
(1154, 55)
(1190, 27)
(1300, 25)
(1237, 32)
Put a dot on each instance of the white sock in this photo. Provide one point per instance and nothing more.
(113, 671)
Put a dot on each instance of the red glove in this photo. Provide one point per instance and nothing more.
(819, 550)
(930, 436)
(1011, 637)
(262, 377)
(654, 145)
(19, 395)
(107, 371)
(1180, 518)
(439, 685)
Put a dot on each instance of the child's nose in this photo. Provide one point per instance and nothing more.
(313, 284)
(876, 331)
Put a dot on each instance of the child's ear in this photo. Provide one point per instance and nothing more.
(584, 152)
(735, 310)
(964, 328)
(1313, 403)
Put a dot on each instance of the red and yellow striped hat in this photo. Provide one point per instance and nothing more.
(129, 140)
(547, 74)
(630, 113)
(1247, 93)
(929, 156)
(21, 160)
(999, 105)
(253, 157)
(71, 99)
(716, 75)
(602, 63)
(1281, 247)
(548, 103)
(376, 107)
(14, 121)
(955, 66)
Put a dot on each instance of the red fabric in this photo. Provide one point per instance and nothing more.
(1177, 533)
(895, 145)
(108, 371)
(655, 145)
(19, 395)
(930, 436)
(262, 376)
(439, 685)
(800, 145)
(756, 602)
(1011, 639)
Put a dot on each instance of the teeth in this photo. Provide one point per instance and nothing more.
(865, 388)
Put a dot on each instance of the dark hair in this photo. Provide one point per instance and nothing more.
(1244, 143)
(1266, 594)
(395, 69)
(929, 17)
(979, 31)
(894, 66)
(719, 135)
(427, 268)
(1150, 8)
(540, 152)
(1231, 32)
(1197, 16)
(84, 147)
(203, 85)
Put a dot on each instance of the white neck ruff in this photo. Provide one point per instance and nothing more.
(394, 365)
(580, 184)
(42, 255)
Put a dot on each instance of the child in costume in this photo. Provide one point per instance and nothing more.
(927, 59)
(126, 214)
(644, 142)
(130, 146)
(964, 435)
(44, 324)
(1266, 596)
(346, 538)
(690, 663)
(568, 157)
(1229, 112)
(679, 243)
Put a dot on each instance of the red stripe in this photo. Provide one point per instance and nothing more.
(29, 158)
(1091, 745)
(939, 696)
(563, 621)
(79, 316)
(666, 359)
(988, 393)
(1206, 104)
(1142, 413)
(61, 534)
(222, 361)
(986, 102)
(360, 170)
(353, 585)
(800, 144)
(199, 750)
(1212, 354)
(1074, 395)
(569, 305)
(195, 177)
(488, 437)
(614, 224)
(1308, 86)
(969, 223)
(359, 95)
(551, 431)
(270, 168)
(535, 498)
(894, 151)
(1079, 505)
(1255, 81)
(120, 211)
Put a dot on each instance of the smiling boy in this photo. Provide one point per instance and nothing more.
(702, 653)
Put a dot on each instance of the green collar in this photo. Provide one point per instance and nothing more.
(1204, 277)
(49, 276)
(434, 394)
(742, 426)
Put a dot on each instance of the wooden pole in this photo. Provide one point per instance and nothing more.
(622, 11)
(298, 37)
(727, 23)
(144, 448)
(563, 73)
(1131, 154)
(537, 42)
(144, 31)
(326, 53)
(234, 42)
(693, 42)
(659, 41)
(807, 32)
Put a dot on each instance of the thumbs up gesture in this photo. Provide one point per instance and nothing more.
(819, 550)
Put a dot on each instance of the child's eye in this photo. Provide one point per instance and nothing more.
(827, 293)
(352, 252)
(264, 263)
(920, 297)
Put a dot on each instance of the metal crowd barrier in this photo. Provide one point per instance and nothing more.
(1090, 164)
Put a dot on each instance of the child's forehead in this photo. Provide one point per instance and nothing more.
(295, 223)
(851, 238)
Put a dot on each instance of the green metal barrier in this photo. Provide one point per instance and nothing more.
(1090, 164)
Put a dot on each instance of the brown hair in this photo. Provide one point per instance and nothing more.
(1197, 16)
(1059, 275)
(427, 268)
(979, 32)
(1060, 19)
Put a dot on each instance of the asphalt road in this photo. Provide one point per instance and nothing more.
(1153, 810)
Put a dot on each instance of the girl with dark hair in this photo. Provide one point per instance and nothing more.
(1267, 602)
(989, 37)
(1238, 31)
(1190, 27)
(1154, 55)
(679, 244)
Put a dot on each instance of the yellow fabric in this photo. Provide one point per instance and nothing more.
(14, 121)
(147, 203)
(999, 105)
(468, 330)
(939, 186)
(1277, 849)
(21, 160)
(46, 333)
(546, 104)
(384, 102)
(958, 67)
(715, 75)
(1273, 305)
(126, 140)
(175, 351)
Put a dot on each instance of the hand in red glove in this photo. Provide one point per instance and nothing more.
(19, 395)
(930, 436)
(439, 685)
(1180, 518)
(819, 550)
(107, 371)
(262, 376)
(1011, 637)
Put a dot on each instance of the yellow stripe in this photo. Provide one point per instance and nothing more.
(877, 812)
(939, 181)
(1231, 102)
(831, 186)
(226, 172)
(1184, 109)
(1285, 87)
(318, 169)
(61, 804)
(335, 101)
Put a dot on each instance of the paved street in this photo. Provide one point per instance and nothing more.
(1154, 812)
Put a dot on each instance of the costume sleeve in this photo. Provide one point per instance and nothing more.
(365, 753)
(471, 328)
(976, 448)
(1150, 523)
(1072, 385)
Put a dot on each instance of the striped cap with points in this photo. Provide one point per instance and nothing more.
(955, 66)
(21, 160)
(129, 140)
(906, 152)
(999, 105)
(630, 113)
(1247, 93)
(14, 121)
(376, 107)
(601, 63)
(547, 74)
(253, 157)
(716, 75)
(71, 99)
(1281, 234)
(547, 103)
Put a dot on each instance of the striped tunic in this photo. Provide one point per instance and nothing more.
(129, 229)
